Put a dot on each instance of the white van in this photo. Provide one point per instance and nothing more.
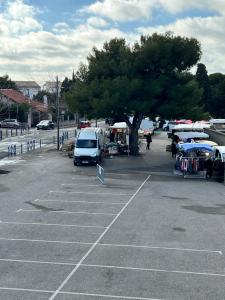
(88, 146)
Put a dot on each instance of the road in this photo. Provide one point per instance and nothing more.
(145, 234)
(24, 141)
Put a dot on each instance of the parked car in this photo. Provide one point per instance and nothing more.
(146, 127)
(10, 123)
(83, 124)
(45, 124)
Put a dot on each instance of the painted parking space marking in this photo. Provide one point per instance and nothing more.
(97, 241)
(37, 262)
(107, 296)
(24, 290)
(162, 248)
(80, 185)
(65, 212)
(47, 224)
(105, 186)
(89, 193)
(44, 241)
(77, 294)
(77, 201)
(155, 270)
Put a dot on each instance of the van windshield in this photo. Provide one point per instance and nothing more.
(86, 144)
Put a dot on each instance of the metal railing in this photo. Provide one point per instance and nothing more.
(33, 144)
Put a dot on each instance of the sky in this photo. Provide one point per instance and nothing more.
(42, 39)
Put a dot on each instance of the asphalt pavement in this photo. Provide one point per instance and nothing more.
(144, 234)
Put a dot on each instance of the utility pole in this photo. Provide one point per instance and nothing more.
(57, 111)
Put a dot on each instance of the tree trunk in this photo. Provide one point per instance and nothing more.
(133, 134)
(133, 140)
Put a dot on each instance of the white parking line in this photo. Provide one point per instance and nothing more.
(155, 270)
(84, 178)
(37, 262)
(44, 241)
(48, 224)
(76, 184)
(98, 185)
(24, 290)
(108, 296)
(163, 248)
(77, 201)
(97, 241)
(88, 193)
(66, 212)
(74, 293)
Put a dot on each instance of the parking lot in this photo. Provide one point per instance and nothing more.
(144, 234)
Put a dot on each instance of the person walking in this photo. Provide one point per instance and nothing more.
(148, 140)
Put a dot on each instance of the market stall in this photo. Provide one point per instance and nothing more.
(193, 158)
(118, 139)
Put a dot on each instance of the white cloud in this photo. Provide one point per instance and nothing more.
(176, 6)
(97, 22)
(25, 52)
(209, 31)
(131, 10)
(61, 27)
(18, 18)
(122, 10)
(29, 52)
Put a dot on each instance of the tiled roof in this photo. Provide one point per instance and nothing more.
(19, 98)
(27, 84)
(38, 106)
(15, 96)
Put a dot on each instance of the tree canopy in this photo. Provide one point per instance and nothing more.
(217, 98)
(148, 79)
(7, 83)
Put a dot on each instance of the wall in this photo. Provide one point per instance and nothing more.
(216, 136)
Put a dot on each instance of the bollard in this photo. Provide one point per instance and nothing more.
(21, 148)
(8, 150)
(21, 131)
(0, 135)
(40, 143)
(33, 144)
(16, 131)
(14, 150)
(28, 146)
(11, 150)
(11, 132)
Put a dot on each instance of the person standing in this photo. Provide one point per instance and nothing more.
(174, 148)
(148, 140)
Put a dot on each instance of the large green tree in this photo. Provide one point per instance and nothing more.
(203, 80)
(149, 78)
(216, 104)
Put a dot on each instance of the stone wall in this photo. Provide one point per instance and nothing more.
(216, 136)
